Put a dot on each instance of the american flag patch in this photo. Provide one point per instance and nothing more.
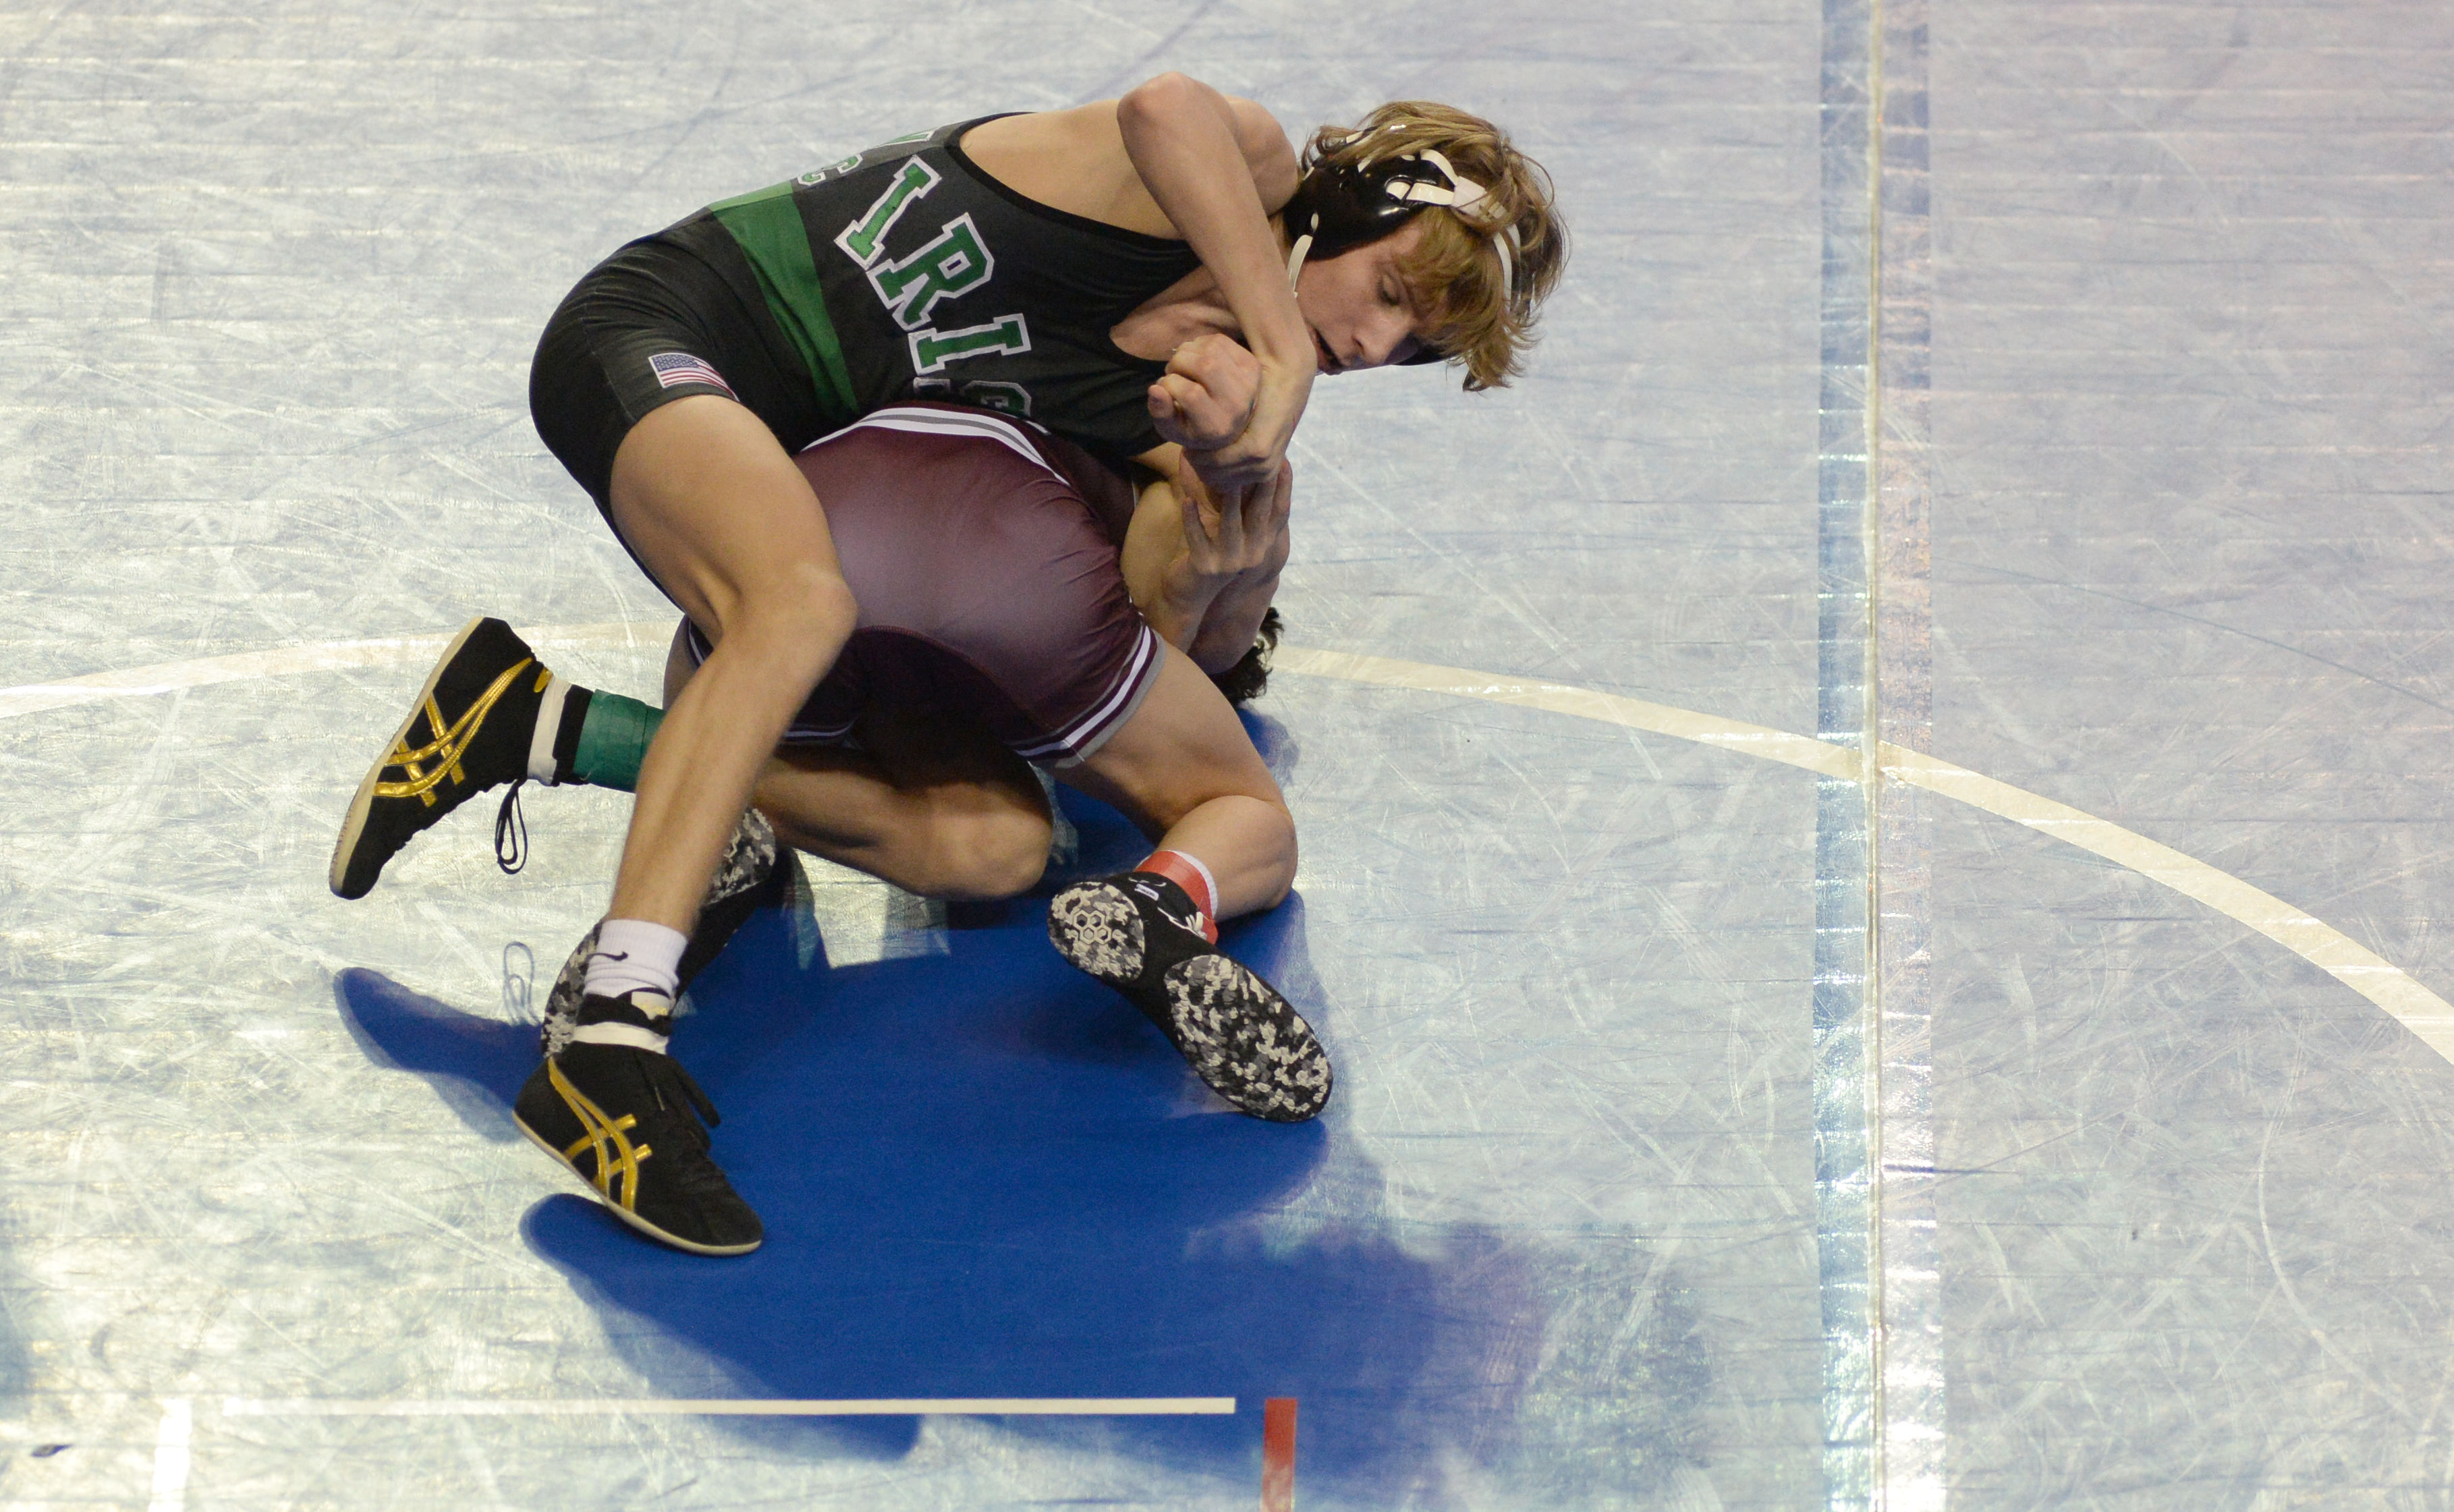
(674, 367)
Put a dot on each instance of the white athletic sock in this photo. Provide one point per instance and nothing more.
(633, 953)
(549, 724)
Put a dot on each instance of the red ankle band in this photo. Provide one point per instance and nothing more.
(1188, 873)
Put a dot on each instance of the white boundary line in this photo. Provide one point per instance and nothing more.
(2346, 959)
(331, 656)
(740, 1407)
(2378, 981)
(170, 1455)
(1705, 729)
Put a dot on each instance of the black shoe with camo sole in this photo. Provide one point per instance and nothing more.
(468, 731)
(626, 1122)
(1141, 934)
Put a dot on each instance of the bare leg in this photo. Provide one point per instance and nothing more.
(1184, 769)
(935, 806)
(728, 526)
(940, 809)
(927, 809)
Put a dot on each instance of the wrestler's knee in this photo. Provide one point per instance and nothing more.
(790, 623)
(986, 853)
(796, 601)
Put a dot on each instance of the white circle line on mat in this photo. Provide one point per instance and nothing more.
(330, 655)
(2378, 981)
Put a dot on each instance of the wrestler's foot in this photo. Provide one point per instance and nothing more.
(747, 880)
(468, 731)
(1141, 934)
(625, 1118)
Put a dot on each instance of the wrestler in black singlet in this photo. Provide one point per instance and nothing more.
(902, 271)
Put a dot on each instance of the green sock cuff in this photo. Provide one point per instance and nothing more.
(613, 739)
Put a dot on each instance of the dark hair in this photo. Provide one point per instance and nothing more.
(1243, 682)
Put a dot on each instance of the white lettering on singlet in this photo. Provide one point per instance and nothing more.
(954, 263)
(865, 238)
(999, 394)
(933, 348)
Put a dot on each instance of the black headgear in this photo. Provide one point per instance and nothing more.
(1340, 207)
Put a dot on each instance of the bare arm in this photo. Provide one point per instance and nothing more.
(1076, 160)
(1180, 134)
(1201, 574)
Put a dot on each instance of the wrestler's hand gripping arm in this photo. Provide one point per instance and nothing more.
(1184, 140)
(1202, 571)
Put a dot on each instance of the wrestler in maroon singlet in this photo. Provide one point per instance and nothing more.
(983, 553)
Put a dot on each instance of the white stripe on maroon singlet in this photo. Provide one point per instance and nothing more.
(967, 423)
(1079, 731)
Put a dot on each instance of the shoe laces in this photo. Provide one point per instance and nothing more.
(665, 1075)
(511, 831)
(698, 1178)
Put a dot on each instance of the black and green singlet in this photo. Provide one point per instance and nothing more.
(905, 271)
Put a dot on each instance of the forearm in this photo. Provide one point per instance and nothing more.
(1180, 137)
(1204, 578)
(1213, 629)
(1232, 621)
(1177, 617)
(1172, 600)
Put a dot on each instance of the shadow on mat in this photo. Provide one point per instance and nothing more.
(983, 1174)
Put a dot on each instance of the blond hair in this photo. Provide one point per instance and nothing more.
(1480, 315)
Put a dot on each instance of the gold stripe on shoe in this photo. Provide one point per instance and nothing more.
(440, 756)
(602, 1132)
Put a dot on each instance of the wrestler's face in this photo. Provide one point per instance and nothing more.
(1361, 313)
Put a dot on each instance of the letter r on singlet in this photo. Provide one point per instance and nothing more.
(954, 262)
(861, 240)
(933, 350)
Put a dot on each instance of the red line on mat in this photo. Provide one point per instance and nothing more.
(1278, 1454)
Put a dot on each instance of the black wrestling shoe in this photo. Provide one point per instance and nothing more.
(468, 731)
(1140, 932)
(627, 1122)
(748, 880)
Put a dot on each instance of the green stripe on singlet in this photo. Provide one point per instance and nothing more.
(768, 226)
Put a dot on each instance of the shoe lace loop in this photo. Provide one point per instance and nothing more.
(511, 831)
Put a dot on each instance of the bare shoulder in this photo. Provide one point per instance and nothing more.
(1075, 160)
(1267, 152)
(1072, 160)
(1037, 134)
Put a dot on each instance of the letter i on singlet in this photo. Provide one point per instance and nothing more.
(933, 348)
(862, 240)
